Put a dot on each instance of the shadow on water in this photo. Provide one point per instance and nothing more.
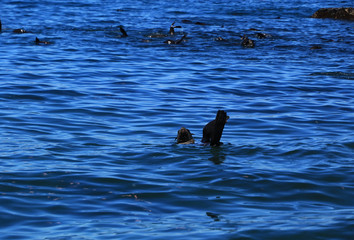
(218, 155)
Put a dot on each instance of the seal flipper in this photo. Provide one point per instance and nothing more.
(123, 31)
(179, 41)
(220, 121)
(172, 28)
(175, 42)
(40, 42)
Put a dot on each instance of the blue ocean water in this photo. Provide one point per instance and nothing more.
(88, 122)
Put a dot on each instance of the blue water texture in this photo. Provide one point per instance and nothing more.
(88, 121)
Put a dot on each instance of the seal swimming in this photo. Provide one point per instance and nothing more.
(19, 30)
(38, 42)
(161, 35)
(184, 136)
(212, 131)
(175, 41)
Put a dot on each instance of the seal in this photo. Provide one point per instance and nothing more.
(19, 30)
(162, 35)
(212, 131)
(123, 31)
(246, 42)
(0, 26)
(175, 41)
(172, 28)
(262, 35)
(39, 42)
(184, 136)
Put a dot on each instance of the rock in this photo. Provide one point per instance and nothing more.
(335, 13)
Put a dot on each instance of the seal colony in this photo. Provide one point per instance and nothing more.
(212, 131)
(334, 13)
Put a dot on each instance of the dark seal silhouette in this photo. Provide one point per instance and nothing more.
(162, 35)
(212, 131)
(124, 33)
(172, 28)
(39, 42)
(184, 136)
(263, 35)
(175, 41)
(19, 30)
(246, 42)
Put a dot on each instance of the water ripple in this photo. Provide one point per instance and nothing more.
(88, 122)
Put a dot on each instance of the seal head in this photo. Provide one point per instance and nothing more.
(184, 136)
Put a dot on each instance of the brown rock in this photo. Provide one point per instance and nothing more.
(335, 13)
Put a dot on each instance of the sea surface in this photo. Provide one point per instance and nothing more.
(88, 122)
